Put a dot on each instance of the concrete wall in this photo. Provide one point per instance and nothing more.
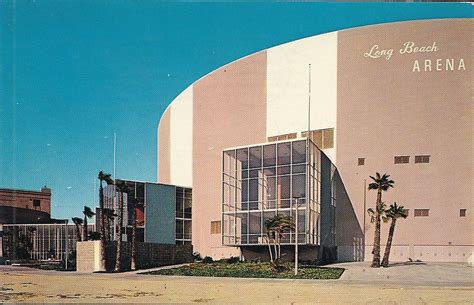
(387, 109)
(229, 110)
(88, 256)
(164, 148)
(160, 213)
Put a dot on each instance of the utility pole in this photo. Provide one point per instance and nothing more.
(309, 100)
(296, 234)
(114, 204)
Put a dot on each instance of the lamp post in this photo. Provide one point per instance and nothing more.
(296, 233)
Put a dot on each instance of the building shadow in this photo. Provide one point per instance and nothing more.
(408, 263)
(349, 234)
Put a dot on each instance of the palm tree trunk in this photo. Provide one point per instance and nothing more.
(275, 246)
(118, 258)
(279, 246)
(376, 249)
(269, 248)
(389, 243)
(102, 228)
(134, 237)
(78, 234)
(107, 224)
(84, 229)
(15, 242)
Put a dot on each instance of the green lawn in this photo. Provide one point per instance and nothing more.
(251, 270)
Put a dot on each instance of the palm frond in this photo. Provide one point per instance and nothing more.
(396, 211)
(77, 220)
(88, 212)
(373, 186)
(122, 186)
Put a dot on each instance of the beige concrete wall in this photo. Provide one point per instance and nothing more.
(288, 86)
(181, 139)
(229, 110)
(88, 256)
(164, 148)
(385, 109)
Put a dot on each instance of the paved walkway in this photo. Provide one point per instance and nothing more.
(409, 274)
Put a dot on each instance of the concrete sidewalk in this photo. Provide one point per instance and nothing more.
(408, 274)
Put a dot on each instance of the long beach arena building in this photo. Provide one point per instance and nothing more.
(298, 128)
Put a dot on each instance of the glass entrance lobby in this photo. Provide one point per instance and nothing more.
(261, 181)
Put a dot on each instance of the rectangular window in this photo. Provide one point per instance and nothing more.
(288, 136)
(328, 136)
(36, 202)
(422, 159)
(462, 213)
(401, 159)
(361, 161)
(216, 227)
(323, 138)
(422, 212)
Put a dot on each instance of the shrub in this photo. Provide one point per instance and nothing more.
(257, 260)
(232, 260)
(207, 260)
(197, 256)
(94, 235)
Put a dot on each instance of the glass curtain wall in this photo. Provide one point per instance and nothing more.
(183, 215)
(262, 181)
(40, 241)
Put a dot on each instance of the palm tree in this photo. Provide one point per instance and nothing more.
(121, 188)
(88, 213)
(382, 211)
(134, 237)
(269, 228)
(380, 183)
(109, 216)
(107, 178)
(285, 224)
(394, 212)
(276, 226)
(78, 222)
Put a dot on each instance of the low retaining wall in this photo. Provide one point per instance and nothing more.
(148, 255)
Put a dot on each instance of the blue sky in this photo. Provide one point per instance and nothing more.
(73, 72)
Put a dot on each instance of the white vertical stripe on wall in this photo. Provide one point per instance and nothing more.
(287, 86)
(181, 139)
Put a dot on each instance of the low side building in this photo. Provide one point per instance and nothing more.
(25, 206)
(39, 241)
(163, 212)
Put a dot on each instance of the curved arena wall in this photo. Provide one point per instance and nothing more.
(397, 89)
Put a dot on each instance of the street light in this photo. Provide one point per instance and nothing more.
(297, 198)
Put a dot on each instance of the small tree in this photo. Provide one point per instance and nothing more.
(381, 184)
(270, 232)
(275, 228)
(393, 213)
(88, 213)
